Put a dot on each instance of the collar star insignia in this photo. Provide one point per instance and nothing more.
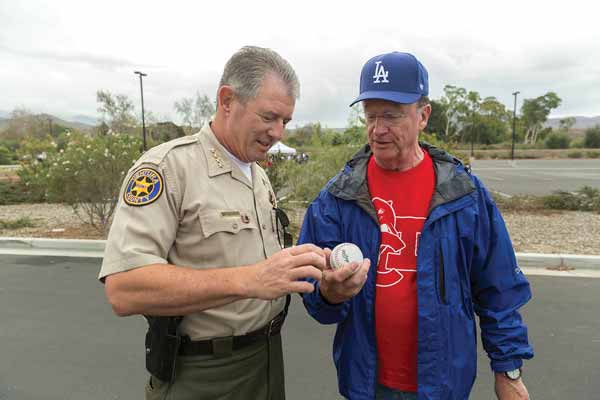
(216, 157)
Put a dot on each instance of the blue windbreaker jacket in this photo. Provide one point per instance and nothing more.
(465, 265)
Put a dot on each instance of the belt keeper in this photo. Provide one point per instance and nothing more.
(222, 347)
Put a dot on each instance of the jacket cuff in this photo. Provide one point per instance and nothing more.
(506, 365)
(322, 310)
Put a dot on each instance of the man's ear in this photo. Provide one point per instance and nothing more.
(424, 117)
(225, 96)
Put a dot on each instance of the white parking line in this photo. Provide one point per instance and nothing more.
(576, 273)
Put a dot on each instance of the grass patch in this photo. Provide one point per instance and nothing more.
(584, 199)
(23, 222)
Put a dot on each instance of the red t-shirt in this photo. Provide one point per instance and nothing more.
(402, 201)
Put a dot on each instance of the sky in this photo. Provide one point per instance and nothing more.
(55, 55)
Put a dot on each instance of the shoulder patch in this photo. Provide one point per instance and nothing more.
(144, 187)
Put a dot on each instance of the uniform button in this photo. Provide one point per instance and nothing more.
(235, 226)
(264, 226)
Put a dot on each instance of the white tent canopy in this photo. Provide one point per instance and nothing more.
(282, 149)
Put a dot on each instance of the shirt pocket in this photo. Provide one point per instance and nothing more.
(228, 222)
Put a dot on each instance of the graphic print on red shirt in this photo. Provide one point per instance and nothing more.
(401, 200)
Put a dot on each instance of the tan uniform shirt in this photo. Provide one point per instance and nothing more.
(208, 215)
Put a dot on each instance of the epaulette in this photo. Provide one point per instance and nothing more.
(158, 153)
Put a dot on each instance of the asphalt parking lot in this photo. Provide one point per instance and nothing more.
(537, 177)
(60, 340)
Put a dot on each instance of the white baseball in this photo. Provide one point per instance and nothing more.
(345, 253)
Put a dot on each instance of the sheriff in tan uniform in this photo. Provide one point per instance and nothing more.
(203, 212)
(195, 239)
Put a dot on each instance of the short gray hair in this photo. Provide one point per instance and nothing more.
(247, 68)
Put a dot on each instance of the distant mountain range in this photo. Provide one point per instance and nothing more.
(86, 122)
(81, 122)
(580, 122)
(84, 119)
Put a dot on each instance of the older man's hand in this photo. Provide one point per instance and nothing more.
(508, 389)
(342, 284)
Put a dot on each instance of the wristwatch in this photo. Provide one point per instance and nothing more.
(513, 375)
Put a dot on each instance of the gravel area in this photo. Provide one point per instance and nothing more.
(568, 232)
(48, 220)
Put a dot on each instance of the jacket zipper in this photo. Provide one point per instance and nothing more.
(442, 278)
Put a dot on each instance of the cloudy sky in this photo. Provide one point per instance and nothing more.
(55, 55)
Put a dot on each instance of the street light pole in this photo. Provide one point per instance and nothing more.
(141, 74)
(512, 153)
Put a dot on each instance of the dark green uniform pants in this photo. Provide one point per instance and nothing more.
(254, 372)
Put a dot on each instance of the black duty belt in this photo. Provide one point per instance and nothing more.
(225, 345)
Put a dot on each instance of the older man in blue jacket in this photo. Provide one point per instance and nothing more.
(440, 254)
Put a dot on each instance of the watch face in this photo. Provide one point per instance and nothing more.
(514, 374)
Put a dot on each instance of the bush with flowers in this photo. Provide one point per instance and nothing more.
(83, 171)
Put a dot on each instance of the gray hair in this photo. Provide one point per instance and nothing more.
(247, 68)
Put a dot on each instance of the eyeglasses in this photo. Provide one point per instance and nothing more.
(281, 223)
(386, 119)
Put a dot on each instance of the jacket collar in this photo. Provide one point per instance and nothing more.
(450, 183)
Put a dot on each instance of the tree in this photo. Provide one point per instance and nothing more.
(534, 112)
(195, 112)
(356, 117)
(184, 107)
(454, 101)
(472, 104)
(592, 137)
(23, 123)
(564, 124)
(117, 111)
(493, 121)
(438, 119)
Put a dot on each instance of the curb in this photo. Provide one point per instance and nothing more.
(95, 249)
(52, 247)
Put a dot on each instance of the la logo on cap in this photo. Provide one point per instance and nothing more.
(380, 73)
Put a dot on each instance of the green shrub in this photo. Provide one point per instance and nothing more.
(593, 154)
(592, 137)
(85, 172)
(34, 155)
(7, 157)
(23, 222)
(577, 143)
(584, 199)
(14, 193)
(296, 183)
(518, 203)
(88, 174)
(575, 154)
(557, 141)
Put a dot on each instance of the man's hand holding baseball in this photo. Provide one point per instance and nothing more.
(342, 284)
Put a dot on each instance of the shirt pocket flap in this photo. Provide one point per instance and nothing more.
(229, 221)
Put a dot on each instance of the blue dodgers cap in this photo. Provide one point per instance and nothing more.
(397, 77)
